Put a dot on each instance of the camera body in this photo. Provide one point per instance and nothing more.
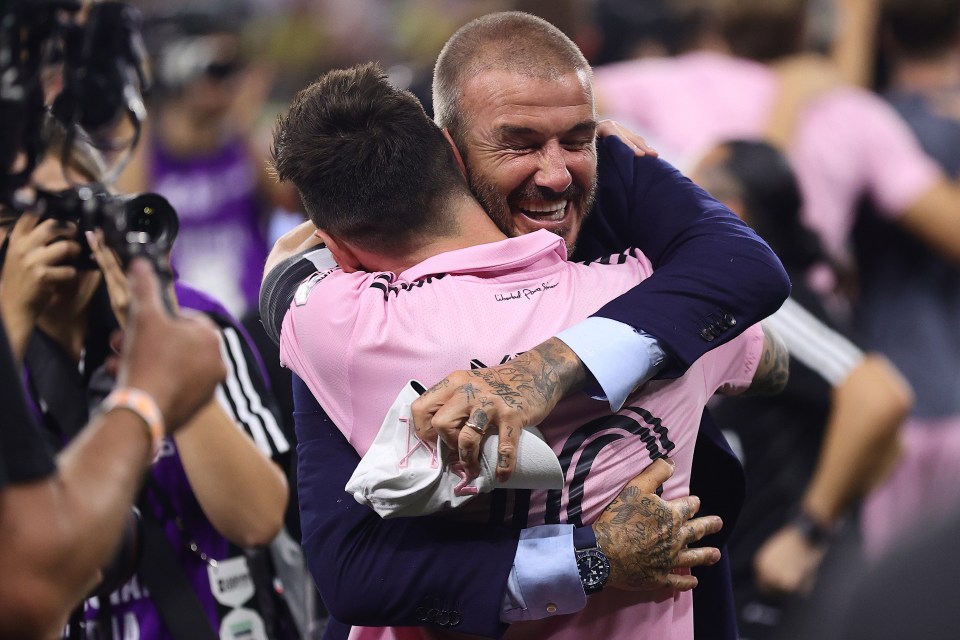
(103, 62)
(142, 224)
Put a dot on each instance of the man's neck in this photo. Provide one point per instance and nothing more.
(474, 228)
(928, 74)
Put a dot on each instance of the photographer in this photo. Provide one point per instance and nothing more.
(213, 488)
(61, 520)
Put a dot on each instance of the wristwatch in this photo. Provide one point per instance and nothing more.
(592, 563)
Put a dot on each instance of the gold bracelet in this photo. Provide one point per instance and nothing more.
(144, 406)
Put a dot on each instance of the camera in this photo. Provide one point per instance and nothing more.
(143, 224)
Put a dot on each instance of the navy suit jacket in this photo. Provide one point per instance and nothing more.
(714, 277)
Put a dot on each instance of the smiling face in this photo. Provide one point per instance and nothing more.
(530, 150)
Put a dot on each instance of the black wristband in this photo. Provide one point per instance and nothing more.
(814, 532)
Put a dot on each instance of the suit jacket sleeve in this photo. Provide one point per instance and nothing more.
(714, 277)
(400, 572)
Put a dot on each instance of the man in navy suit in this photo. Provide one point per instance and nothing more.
(714, 277)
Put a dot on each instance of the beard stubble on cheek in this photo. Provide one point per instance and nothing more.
(498, 209)
(492, 202)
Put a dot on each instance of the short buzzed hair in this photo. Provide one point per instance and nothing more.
(510, 41)
(368, 162)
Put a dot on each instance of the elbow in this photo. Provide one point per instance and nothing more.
(260, 534)
(256, 530)
(895, 394)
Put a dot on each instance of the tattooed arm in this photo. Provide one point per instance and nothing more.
(512, 396)
(774, 369)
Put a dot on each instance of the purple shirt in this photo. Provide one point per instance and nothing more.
(222, 246)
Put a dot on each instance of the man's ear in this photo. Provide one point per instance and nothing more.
(341, 251)
(456, 152)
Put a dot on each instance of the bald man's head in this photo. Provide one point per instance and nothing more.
(511, 41)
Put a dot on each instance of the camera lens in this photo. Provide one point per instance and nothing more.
(152, 215)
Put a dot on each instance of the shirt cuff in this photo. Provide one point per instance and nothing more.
(619, 357)
(544, 580)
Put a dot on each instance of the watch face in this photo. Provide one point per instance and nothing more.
(594, 569)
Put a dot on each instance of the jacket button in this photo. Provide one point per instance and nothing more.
(454, 618)
(443, 618)
(729, 320)
(707, 334)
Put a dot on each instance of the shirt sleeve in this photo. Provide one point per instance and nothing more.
(815, 344)
(279, 287)
(246, 397)
(620, 357)
(544, 580)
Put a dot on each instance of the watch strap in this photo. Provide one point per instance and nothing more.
(584, 538)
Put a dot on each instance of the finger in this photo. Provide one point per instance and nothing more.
(683, 508)
(26, 223)
(471, 435)
(699, 528)
(468, 450)
(144, 288)
(448, 417)
(699, 557)
(50, 230)
(57, 253)
(656, 473)
(507, 451)
(59, 274)
(106, 259)
(680, 582)
(424, 410)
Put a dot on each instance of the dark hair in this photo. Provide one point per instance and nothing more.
(762, 30)
(368, 162)
(771, 195)
(922, 28)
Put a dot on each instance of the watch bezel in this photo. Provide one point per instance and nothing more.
(592, 580)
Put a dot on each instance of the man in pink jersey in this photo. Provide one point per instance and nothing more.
(378, 181)
(845, 143)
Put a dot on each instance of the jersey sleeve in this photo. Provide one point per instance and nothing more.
(246, 396)
(278, 289)
(730, 368)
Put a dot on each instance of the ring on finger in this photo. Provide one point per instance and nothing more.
(475, 427)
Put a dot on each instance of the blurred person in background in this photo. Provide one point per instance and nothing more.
(909, 303)
(815, 450)
(750, 79)
(200, 153)
(213, 488)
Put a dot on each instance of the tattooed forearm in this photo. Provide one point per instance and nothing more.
(540, 376)
(774, 369)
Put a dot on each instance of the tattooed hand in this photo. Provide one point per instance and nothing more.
(511, 396)
(645, 538)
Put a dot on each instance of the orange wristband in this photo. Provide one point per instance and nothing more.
(144, 406)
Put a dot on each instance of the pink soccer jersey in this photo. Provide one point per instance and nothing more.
(848, 144)
(357, 338)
